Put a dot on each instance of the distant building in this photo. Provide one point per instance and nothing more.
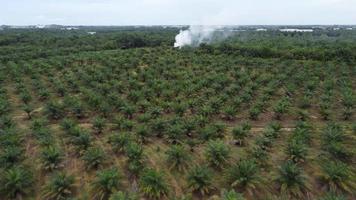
(69, 28)
(91, 33)
(261, 29)
(40, 26)
(295, 30)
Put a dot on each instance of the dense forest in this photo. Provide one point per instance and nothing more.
(117, 113)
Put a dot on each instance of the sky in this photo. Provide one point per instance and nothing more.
(177, 12)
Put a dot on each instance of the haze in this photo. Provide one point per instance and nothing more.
(177, 12)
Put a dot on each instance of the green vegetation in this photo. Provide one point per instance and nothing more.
(121, 114)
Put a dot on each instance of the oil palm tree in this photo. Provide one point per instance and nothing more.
(200, 180)
(231, 195)
(134, 151)
(93, 157)
(51, 157)
(11, 155)
(119, 141)
(281, 107)
(291, 180)
(178, 158)
(333, 196)
(123, 196)
(296, 151)
(82, 141)
(28, 109)
(338, 176)
(217, 153)
(106, 183)
(240, 133)
(15, 182)
(153, 185)
(244, 175)
(61, 186)
(55, 110)
(142, 133)
(98, 124)
(68, 124)
(260, 155)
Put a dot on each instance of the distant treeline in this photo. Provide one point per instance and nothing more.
(322, 45)
(33, 43)
(345, 53)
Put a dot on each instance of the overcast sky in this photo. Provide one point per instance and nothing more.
(177, 12)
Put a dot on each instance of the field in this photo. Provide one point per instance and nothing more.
(121, 114)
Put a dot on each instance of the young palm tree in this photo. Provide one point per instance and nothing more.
(128, 110)
(68, 124)
(43, 94)
(135, 167)
(338, 176)
(231, 195)
(260, 155)
(296, 151)
(281, 107)
(119, 141)
(178, 158)
(124, 124)
(123, 196)
(270, 133)
(230, 112)
(254, 112)
(325, 111)
(200, 180)
(93, 157)
(263, 142)
(333, 133)
(60, 89)
(28, 109)
(153, 185)
(244, 175)
(98, 124)
(158, 126)
(10, 155)
(333, 138)
(78, 109)
(179, 108)
(217, 153)
(82, 141)
(51, 157)
(272, 130)
(118, 196)
(61, 186)
(240, 133)
(6, 122)
(54, 110)
(106, 183)
(175, 133)
(142, 133)
(134, 151)
(347, 113)
(333, 196)
(4, 106)
(25, 96)
(291, 179)
(15, 182)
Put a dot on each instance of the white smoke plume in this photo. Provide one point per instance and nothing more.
(196, 35)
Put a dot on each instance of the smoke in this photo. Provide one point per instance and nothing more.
(196, 35)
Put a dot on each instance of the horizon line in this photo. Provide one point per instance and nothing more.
(180, 25)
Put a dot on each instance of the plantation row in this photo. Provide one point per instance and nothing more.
(162, 123)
